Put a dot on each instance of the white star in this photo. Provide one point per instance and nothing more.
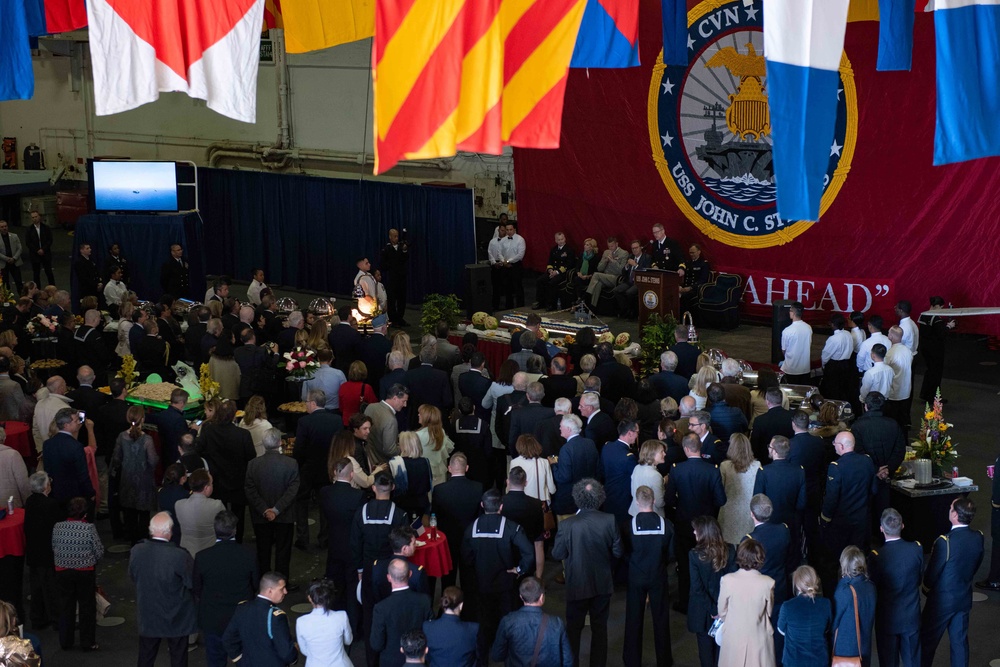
(668, 87)
(667, 139)
(751, 13)
(835, 149)
(690, 42)
(839, 91)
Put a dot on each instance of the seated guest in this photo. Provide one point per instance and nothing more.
(585, 269)
(450, 640)
(76, 548)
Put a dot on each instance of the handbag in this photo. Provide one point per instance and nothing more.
(851, 661)
(548, 518)
(716, 630)
(362, 403)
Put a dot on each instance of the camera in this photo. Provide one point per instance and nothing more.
(82, 415)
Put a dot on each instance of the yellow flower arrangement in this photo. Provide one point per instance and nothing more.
(127, 371)
(209, 387)
(929, 414)
(934, 442)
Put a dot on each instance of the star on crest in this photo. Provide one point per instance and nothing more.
(751, 12)
(835, 149)
(668, 87)
(690, 42)
(667, 139)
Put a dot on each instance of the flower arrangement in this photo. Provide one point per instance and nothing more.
(6, 295)
(935, 442)
(40, 325)
(543, 333)
(300, 363)
(209, 387)
(127, 372)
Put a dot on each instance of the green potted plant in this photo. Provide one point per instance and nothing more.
(657, 336)
(439, 307)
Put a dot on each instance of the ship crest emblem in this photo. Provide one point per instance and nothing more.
(710, 129)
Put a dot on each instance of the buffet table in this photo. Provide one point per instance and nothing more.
(925, 511)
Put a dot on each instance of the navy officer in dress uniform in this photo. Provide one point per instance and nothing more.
(895, 569)
(499, 553)
(696, 273)
(694, 488)
(562, 261)
(665, 252)
(845, 518)
(776, 540)
(370, 542)
(403, 542)
(948, 586)
(650, 541)
(992, 580)
(784, 483)
(258, 633)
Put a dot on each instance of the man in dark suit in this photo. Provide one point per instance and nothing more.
(776, 421)
(557, 384)
(527, 419)
(726, 419)
(259, 628)
(895, 569)
(272, 483)
(808, 452)
(65, 461)
(948, 578)
(475, 385)
(89, 401)
(41, 514)
(345, 341)
(711, 448)
(498, 552)
(650, 542)
(428, 385)
(884, 442)
(339, 503)
(617, 380)
(589, 543)
(163, 576)
(578, 459)
(404, 610)
(38, 238)
(504, 409)
(88, 279)
(110, 420)
(374, 350)
(395, 375)
(172, 424)
(846, 515)
(224, 576)
(776, 539)
(174, 277)
(548, 431)
(694, 488)
(784, 483)
(456, 504)
(228, 449)
(524, 510)
(668, 382)
(395, 257)
(736, 394)
(687, 354)
(313, 435)
(402, 542)
(194, 334)
(598, 424)
(626, 290)
(592, 385)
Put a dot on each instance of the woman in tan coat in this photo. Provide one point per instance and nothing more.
(745, 599)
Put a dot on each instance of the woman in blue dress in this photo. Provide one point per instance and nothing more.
(804, 622)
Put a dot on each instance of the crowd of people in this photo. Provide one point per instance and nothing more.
(777, 521)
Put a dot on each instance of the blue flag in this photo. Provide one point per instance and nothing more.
(968, 80)
(609, 35)
(675, 34)
(17, 81)
(803, 44)
(34, 11)
(895, 34)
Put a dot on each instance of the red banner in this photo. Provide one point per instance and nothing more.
(821, 297)
(920, 230)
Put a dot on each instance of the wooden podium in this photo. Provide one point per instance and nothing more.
(658, 293)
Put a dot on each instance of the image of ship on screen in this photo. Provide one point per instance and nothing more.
(135, 186)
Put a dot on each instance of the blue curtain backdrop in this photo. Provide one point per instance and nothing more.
(307, 232)
(145, 242)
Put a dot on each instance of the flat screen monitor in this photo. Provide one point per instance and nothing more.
(134, 186)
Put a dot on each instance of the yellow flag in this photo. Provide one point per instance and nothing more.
(863, 10)
(311, 25)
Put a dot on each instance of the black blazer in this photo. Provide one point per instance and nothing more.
(776, 421)
(451, 642)
(601, 429)
(557, 386)
(687, 358)
(313, 436)
(41, 514)
(87, 277)
(227, 448)
(526, 512)
(881, 439)
(456, 504)
(617, 380)
(475, 386)
(374, 351)
(66, 464)
(402, 611)
(896, 568)
(31, 240)
(175, 279)
(703, 603)
(549, 436)
(504, 410)
(588, 542)
(807, 450)
(172, 425)
(91, 401)
(224, 575)
(339, 503)
(950, 571)
(345, 341)
(526, 420)
(431, 386)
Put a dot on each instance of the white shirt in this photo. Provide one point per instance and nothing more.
(322, 635)
(367, 282)
(493, 251)
(865, 352)
(253, 292)
(858, 334)
(115, 291)
(911, 334)
(512, 248)
(838, 347)
(900, 359)
(877, 378)
(796, 343)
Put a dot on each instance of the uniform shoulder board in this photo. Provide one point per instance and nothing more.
(716, 465)
(630, 454)
(874, 552)
(375, 562)
(244, 601)
(748, 536)
(917, 542)
(829, 477)
(277, 612)
(942, 537)
(802, 467)
(420, 567)
(833, 463)
(980, 533)
(785, 525)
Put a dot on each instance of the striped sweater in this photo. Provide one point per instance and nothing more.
(76, 545)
